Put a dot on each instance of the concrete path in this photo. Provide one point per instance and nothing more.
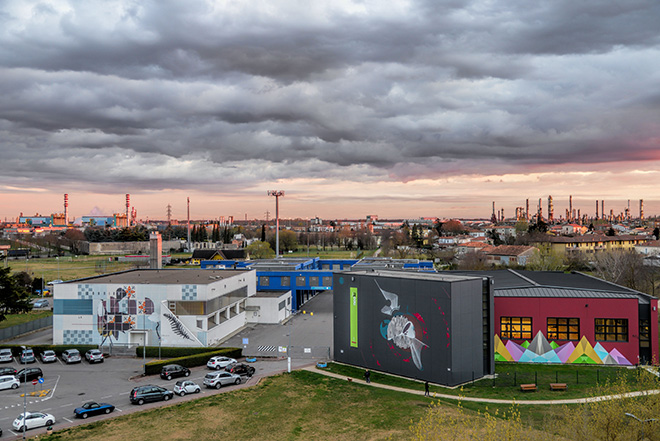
(487, 400)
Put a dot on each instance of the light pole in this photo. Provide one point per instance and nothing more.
(641, 422)
(277, 194)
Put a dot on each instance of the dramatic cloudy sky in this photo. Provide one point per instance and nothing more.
(396, 108)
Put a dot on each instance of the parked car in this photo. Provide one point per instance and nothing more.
(219, 379)
(219, 362)
(173, 370)
(27, 356)
(48, 356)
(145, 394)
(183, 387)
(9, 382)
(8, 371)
(6, 356)
(94, 356)
(41, 303)
(71, 356)
(240, 369)
(33, 419)
(92, 408)
(29, 374)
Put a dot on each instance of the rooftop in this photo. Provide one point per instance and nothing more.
(163, 277)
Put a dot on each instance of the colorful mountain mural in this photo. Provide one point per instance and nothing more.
(542, 351)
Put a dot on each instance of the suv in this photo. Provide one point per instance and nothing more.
(145, 394)
(6, 355)
(71, 356)
(94, 355)
(241, 369)
(219, 362)
(173, 370)
(219, 379)
(29, 374)
(27, 356)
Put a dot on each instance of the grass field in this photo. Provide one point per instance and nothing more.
(68, 267)
(17, 319)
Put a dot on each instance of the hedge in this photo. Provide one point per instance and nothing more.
(174, 352)
(200, 359)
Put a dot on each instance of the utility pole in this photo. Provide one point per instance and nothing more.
(277, 194)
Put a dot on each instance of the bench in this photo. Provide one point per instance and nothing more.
(557, 386)
(528, 387)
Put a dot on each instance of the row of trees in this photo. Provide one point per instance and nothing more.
(14, 292)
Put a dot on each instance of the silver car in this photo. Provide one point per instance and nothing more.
(94, 356)
(71, 356)
(27, 356)
(183, 387)
(222, 378)
(48, 356)
(6, 356)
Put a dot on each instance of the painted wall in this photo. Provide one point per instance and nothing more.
(586, 309)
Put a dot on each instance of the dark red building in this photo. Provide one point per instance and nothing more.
(556, 317)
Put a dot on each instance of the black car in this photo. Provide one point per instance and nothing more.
(240, 369)
(29, 374)
(7, 371)
(173, 370)
(145, 394)
(91, 408)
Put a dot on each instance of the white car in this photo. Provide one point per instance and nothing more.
(9, 382)
(32, 420)
(6, 356)
(183, 387)
(48, 356)
(220, 362)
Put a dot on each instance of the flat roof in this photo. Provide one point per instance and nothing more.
(163, 277)
(442, 277)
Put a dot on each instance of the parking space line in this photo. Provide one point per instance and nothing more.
(66, 405)
(44, 410)
(52, 393)
(106, 397)
(67, 419)
(116, 408)
(124, 393)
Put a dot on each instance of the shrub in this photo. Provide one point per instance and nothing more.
(189, 361)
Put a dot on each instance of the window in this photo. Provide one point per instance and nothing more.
(282, 305)
(516, 327)
(644, 333)
(285, 281)
(313, 280)
(301, 281)
(264, 281)
(327, 281)
(563, 329)
(611, 329)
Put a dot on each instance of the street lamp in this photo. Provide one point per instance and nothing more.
(641, 422)
(277, 194)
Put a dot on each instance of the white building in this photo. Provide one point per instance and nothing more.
(176, 307)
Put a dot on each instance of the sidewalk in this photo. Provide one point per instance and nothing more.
(486, 400)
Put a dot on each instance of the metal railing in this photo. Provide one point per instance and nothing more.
(24, 328)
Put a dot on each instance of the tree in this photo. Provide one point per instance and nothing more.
(656, 233)
(452, 228)
(74, 240)
(546, 259)
(14, 295)
(494, 236)
(473, 261)
(260, 250)
(610, 232)
(623, 268)
(288, 241)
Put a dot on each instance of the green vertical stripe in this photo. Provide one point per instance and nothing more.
(354, 318)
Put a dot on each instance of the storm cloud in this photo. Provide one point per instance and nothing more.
(199, 94)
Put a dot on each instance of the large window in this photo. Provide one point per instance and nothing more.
(611, 329)
(516, 327)
(560, 328)
(644, 333)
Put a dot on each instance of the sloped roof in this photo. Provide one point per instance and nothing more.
(510, 250)
(204, 254)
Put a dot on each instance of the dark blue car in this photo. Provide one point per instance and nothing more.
(92, 408)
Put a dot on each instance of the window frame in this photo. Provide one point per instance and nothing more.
(516, 328)
(610, 327)
(562, 328)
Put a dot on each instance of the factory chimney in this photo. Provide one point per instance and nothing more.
(551, 210)
(128, 210)
(602, 208)
(570, 207)
(189, 249)
(66, 209)
(641, 209)
(527, 209)
(597, 209)
(155, 251)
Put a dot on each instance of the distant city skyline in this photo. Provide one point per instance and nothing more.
(404, 108)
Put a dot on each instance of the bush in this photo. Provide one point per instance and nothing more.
(189, 361)
(174, 352)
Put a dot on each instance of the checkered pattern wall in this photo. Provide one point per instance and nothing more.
(85, 292)
(189, 292)
(77, 337)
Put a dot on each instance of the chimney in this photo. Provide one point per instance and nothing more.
(66, 209)
(641, 209)
(155, 251)
(128, 206)
(551, 210)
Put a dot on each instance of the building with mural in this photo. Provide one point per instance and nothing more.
(430, 326)
(557, 317)
(172, 307)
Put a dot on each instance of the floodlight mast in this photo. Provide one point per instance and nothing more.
(277, 194)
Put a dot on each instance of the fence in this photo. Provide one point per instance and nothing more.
(24, 328)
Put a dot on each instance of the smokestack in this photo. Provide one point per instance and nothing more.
(597, 209)
(602, 208)
(570, 207)
(155, 251)
(66, 209)
(551, 210)
(128, 209)
(189, 249)
(641, 209)
(526, 209)
(493, 208)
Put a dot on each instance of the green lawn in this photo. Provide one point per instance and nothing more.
(17, 319)
(69, 267)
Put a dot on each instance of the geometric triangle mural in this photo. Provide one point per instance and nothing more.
(542, 351)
